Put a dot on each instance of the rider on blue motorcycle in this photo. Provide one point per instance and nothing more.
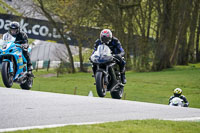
(177, 93)
(114, 44)
(21, 38)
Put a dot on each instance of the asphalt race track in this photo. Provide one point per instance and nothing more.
(22, 109)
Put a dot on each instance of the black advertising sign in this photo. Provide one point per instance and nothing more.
(43, 30)
(36, 29)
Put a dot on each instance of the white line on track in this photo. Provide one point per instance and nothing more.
(185, 119)
(85, 123)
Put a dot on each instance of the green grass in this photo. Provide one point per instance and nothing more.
(136, 126)
(154, 87)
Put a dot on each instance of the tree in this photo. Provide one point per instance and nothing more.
(173, 30)
(49, 9)
(161, 31)
(193, 26)
(179, 51)
(79, 25)
(197, 41)
(161, 59)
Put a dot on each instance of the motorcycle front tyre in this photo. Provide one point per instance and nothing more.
(6, 76)
(100, 86)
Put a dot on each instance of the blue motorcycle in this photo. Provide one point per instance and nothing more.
(14, 64)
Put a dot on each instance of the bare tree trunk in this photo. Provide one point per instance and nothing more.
(197, 42)
(182, 51)
(149, 18)
(81, 57)
(168, 35)
(161, 60)
(49, 17)
(130, 42)
(190, 50)
(158, 8)
(184, 14)
(147, 66)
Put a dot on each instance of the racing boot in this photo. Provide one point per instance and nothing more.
(94, 68)
(123, 78)
(29, 64)
(30, 68)
(122, 71)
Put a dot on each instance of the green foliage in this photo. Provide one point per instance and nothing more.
(147, 30)
(2, 3)
(64, 67)
(135, 126)
(86, 56)
(2, 10)
(30, 41)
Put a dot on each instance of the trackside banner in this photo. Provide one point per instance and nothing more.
(36, 29)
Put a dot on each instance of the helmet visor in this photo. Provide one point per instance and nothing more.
(13, 31)
(176, 95)
(105, 39)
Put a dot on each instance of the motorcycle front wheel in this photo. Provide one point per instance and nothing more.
(6, 75)
(100, 86)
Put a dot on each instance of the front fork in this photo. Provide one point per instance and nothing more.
(106, 76)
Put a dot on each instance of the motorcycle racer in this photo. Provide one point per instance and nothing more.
(114, 44)
(21, 38)
(177, 93)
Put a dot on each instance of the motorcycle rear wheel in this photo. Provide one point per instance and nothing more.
(100, 86)
(28, 84)
(117, 94)
(6, 76)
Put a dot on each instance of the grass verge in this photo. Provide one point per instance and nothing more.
(136, 126)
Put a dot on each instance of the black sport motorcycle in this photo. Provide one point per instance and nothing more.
(107, 73)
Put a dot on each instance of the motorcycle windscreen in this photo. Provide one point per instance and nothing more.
(176, 102)
(1, 43)
(8, 38)
(102, 55)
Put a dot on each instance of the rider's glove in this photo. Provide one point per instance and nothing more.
(118, 56)
(19, 41)
(90, 59)
(24, 46)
